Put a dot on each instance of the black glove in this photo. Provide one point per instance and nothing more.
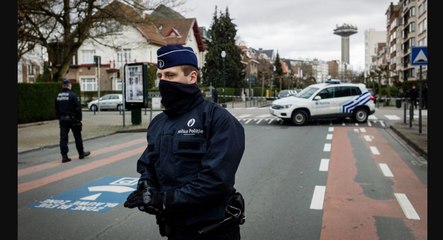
(153, 202)
(145, 198)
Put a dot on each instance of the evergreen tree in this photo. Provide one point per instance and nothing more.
(277, 64)
(278, 71)
(222, 33)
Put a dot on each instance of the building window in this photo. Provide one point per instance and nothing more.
(118, 84)
(422, 26)
(30, 70)
(422, 42)
(412, 42)
(412, 27)
(123, 57)
(421, 9)
(88, 56)
(88, 84)
(412, 12)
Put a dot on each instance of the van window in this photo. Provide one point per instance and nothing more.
(326, 93)
(346, 91)
(355, 91)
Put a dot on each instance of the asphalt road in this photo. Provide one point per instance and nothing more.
(281, 176)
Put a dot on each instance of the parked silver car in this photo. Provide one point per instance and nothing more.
(107, 102)
(286, 93)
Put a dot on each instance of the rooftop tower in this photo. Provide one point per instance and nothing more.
(345, 31)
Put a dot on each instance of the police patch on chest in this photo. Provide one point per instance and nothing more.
(190, 129)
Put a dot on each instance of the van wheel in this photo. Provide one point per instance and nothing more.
(119, 107)
(299, 118)
(360, 115)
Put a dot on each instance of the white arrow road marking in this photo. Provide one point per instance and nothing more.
(91, 197)
(107, 188)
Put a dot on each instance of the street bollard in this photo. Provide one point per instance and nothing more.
(411, 114)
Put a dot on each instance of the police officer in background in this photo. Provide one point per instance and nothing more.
(69, 112)
(194, 149)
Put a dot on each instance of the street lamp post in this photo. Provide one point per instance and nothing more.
(223, 55)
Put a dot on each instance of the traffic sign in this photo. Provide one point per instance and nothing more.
(419, 56)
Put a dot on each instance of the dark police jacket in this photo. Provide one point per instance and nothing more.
(192, 158)
(68, 104)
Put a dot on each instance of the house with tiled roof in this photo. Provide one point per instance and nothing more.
(136, 42)
(266, 54)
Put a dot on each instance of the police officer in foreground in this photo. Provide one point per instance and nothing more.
(194, 149)
(69, 112)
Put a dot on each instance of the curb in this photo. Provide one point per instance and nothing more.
(131, 130)
(419, 150)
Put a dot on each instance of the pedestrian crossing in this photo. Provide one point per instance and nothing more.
(268, 119)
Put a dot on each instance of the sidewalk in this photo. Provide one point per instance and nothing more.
(32, 136)
(46, 134)
(412, 136)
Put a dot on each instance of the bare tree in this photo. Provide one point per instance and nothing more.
(61, 26)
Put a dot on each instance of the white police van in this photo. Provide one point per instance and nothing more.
(332, 99)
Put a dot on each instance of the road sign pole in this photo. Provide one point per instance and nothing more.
(419, 56)
(420, 87)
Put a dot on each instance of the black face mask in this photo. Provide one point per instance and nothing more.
(177, 98)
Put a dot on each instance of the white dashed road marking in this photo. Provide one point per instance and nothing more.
(374, 150)
(318, 197)
(406, 206)
(385, 170)
(324, 165)
(327, 147)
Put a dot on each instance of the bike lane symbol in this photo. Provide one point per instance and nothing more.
(98, 196)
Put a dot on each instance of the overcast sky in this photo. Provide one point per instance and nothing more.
(297, 29)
